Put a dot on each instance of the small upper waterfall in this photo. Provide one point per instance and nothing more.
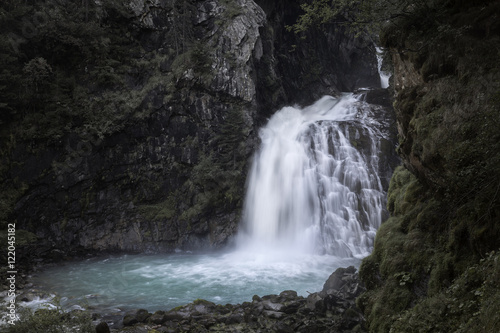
(314, 185)
(384, 76)
(314, 188)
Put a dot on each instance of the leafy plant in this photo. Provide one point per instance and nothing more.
(51, 320)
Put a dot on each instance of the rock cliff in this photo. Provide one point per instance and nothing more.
(157, 123)
(434, 260)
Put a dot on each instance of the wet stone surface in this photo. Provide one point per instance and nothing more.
(333, 309)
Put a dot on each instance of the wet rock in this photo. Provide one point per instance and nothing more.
(235, 318)
(288, 294)
(111, 189)
(129, 320)
(273, 314)
(292, 306)
(175, 316)
(268, 305)
(158, 317)
(331, 310)
(135, 316)
(314, 302)
(102, 327)
(338, 279)
(379, 96)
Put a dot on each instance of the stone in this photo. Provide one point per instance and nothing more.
(133, 317)
(105, 186)
(337, 279)
(158, 317)
(235, 318)
(273, 314)
(175, 316)
(102, 327)
(129, 320)
(268, 305)
(314, 302)
(288, 294)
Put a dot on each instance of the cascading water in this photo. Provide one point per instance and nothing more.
(314, 184)
(384, 76)
(314, 200)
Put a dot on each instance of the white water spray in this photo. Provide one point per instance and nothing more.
(384, 76)
(314, 184)
(313, 189)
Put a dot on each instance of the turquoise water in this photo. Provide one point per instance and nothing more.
(313, 204)
(155, 282)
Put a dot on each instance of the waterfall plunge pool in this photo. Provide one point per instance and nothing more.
(314, 201)
(162, 282)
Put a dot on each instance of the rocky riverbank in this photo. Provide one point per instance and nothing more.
(333, 309)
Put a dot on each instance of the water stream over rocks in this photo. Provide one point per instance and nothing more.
(314, 201)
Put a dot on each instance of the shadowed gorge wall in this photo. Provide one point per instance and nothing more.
(434, 261)
(133, 123)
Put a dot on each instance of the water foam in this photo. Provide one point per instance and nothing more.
(314, 185)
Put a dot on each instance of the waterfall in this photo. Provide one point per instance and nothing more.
(384, 76)
(313, 186)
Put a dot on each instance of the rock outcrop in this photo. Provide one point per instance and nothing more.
(428, 271)
(166, 166)
(331, 310)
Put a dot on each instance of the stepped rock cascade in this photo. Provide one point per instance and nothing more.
(317, 186)
(384, 76)
(314, 185)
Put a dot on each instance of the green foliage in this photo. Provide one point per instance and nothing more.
(194, 64)
(51, 321)
(445, 220)
(470, 304)
(317, 13)
(217, 180)
(162, 211)
(365, 15)
(65, 52)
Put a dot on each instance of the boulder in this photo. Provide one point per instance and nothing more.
(133, 317)
(102, 327)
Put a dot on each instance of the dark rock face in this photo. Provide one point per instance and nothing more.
(300, 71)
(331, 310)
(135, 316)
(444, 202)
(102, 327)
(172, 176)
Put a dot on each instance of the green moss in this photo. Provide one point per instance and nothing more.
(404, 191)
(51, 321)
(445, 219)
(395, 298)
(178, 308)
(195, 63)
(369, 272)
(470, 304)
(200, 301)
(161, 211)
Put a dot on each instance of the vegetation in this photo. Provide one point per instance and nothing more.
(363, 16)
(218, 178)
(435, 257)
(59, 54)
(51, 320)
(81, 72)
